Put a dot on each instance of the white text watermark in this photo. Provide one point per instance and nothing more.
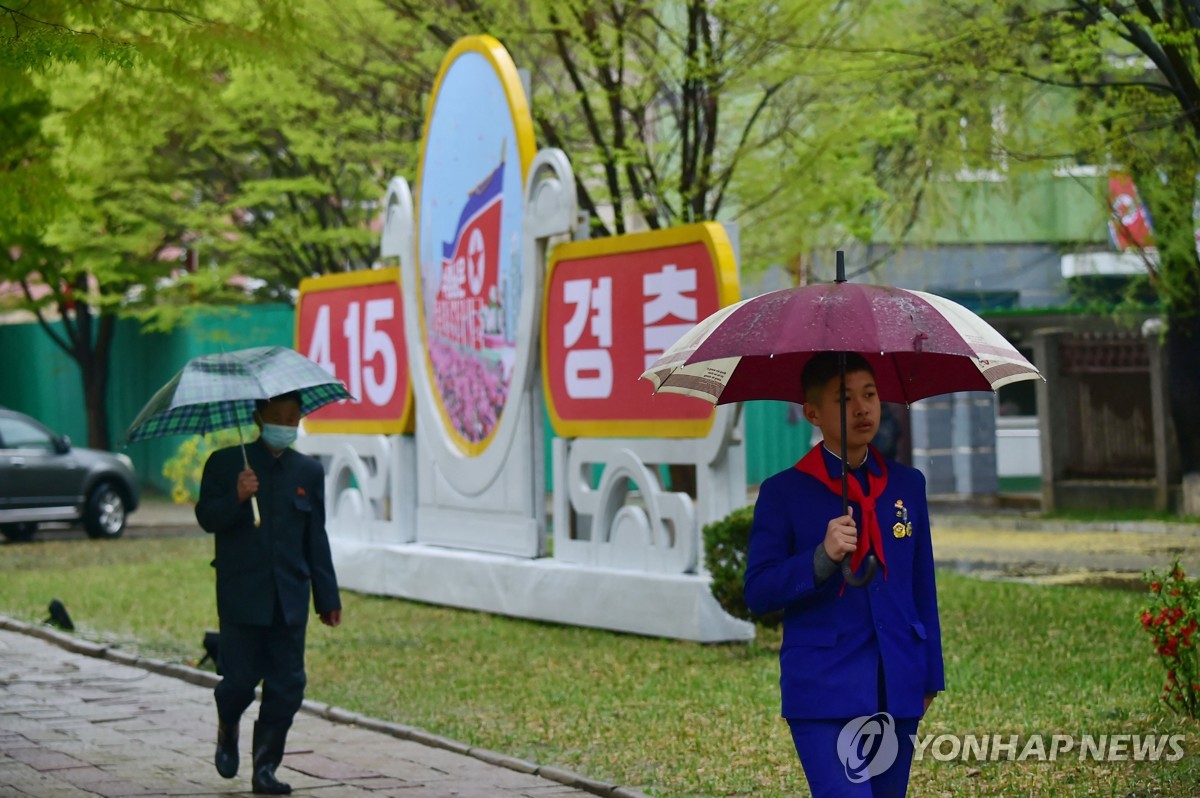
(1048, 747)
(869, 745)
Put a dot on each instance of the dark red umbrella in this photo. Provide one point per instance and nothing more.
(919, 344)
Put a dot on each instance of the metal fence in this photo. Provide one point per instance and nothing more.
(1111, 433)
(1106, 435)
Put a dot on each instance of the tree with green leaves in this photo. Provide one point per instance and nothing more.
(294, 156)
(1116, 85)
(679, 111)
(234, 140)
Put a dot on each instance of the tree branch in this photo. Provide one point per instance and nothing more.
(608, 153)
(743, 140)
(45, 325)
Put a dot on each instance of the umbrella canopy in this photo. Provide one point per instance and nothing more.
(214, 392)
(919, 344)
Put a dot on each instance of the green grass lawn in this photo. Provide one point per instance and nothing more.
(672, 718)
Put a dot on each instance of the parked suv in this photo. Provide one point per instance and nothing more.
(44, 478)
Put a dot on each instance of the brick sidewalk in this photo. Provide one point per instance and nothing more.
(74, 725)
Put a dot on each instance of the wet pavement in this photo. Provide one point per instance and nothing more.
(80, 724)
(1111, 554)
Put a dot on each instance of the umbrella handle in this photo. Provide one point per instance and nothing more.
(253, 496)
(868, 573)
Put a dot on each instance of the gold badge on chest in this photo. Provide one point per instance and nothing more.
(903, 527)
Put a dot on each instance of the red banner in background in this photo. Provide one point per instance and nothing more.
(1129, 223)
(352, 325)
(611, 307)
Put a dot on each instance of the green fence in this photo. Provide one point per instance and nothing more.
(37, 377)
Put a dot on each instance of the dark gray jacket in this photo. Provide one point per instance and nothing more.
(288, 555)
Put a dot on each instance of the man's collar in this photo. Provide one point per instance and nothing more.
(833, 463)
(267, 450)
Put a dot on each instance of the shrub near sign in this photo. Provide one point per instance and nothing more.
(353, 326)
(612, 306)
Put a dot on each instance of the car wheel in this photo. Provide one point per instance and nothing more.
(104, 515)
(19, 533)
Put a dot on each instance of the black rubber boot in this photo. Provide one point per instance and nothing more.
(226, 758)
(268, 753)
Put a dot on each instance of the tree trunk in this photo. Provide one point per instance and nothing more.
(1183, 393)
(94, 369)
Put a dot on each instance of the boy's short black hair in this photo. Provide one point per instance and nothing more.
(824, 367)
(294, 396)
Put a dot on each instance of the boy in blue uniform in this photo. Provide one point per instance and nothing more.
(265, 574)
(859, 666)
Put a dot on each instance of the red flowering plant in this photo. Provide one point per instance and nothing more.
(1173, 620)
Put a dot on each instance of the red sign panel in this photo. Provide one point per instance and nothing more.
(612, 306)
(353, 326)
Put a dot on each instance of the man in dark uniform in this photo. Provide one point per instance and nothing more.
(265, 573)
(858, 666)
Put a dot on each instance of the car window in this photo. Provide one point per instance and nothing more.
(18, 434)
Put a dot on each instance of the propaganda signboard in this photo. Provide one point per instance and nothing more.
(478, 145)
(352, 325)
(611, 307)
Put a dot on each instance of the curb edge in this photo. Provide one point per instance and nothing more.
(330, 713)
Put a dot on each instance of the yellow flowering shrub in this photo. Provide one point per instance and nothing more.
(185, 468)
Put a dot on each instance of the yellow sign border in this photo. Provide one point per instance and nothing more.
(522, 119)
(332, 282)
(724, 264)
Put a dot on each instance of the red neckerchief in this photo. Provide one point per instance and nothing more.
(869, 536)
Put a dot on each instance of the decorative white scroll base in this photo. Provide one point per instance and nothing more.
(369, 486)
(413, 517)
(661, 605)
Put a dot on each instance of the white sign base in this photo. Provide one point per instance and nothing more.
(676, 606)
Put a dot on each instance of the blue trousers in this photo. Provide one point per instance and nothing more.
(273, 655)
(817, 744)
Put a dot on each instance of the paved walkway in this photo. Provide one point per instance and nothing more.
(74, 725)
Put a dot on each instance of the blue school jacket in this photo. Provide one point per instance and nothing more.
(835, 639)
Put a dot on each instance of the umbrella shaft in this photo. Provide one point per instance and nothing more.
(842, 404)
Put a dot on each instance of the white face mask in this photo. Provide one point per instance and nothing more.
(278, 437)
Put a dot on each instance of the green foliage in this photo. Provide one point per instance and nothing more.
(1172, 619)
(29, 187)
(33, 42)
(1121, 296)
(768, 114)
(185, 468)
(726, 547)
(1045, 85)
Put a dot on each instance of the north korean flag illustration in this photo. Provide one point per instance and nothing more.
(470, 264)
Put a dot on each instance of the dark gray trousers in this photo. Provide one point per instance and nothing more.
(273, 655)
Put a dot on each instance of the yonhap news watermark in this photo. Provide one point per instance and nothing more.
(869, 745)
(1048, 747)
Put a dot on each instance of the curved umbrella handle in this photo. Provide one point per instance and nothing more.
(853, 579)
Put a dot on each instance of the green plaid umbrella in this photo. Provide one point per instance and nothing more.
(215, 392)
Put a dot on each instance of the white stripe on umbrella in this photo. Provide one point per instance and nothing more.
(919, 344)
